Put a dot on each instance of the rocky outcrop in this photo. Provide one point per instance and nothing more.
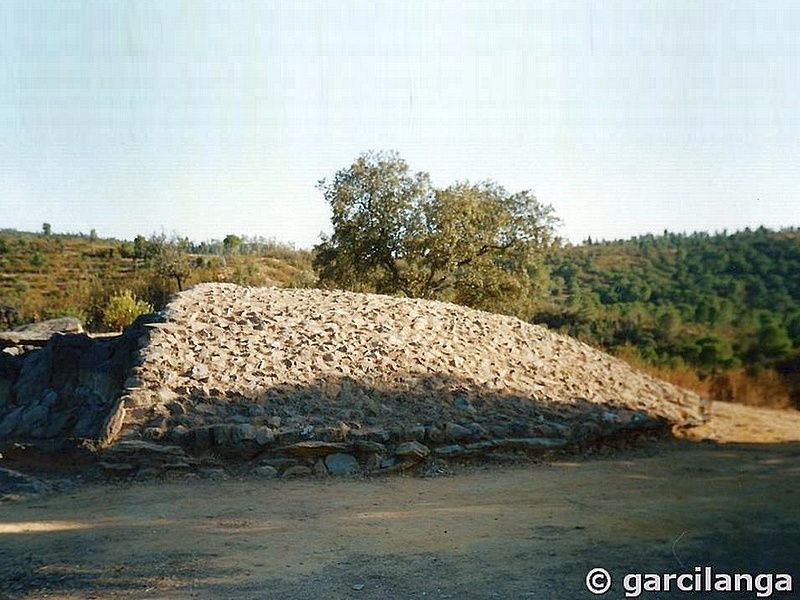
(68, 390)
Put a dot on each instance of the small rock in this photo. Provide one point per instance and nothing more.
(178, 433)
(369, 446)
(434, 434)
(387, 463)
(222, 433)
(206, 409)
(455, 432)
(530, 443)
(445, 451)
(627, 418)
(153, 433)
(266, 471)
(481, 447)
(255, 410)
(279, 463)
(341, 464)
(477, 430)
(412, 451)
(373, 462)
(375, 434)
(461, 403)
(315, 449)
(167, 396)
(264, 436)
(297, 471)
(113, 423)
(418, 432)
(200, 372)
(214, 474)
(244, 432)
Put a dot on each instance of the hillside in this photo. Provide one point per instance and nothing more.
(51, 275)
(709, 304)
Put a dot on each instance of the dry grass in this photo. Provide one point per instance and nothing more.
(763, 388)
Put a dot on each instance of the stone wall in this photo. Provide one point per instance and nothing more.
(66, 391)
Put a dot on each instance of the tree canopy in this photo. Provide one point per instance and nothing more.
(394, 233)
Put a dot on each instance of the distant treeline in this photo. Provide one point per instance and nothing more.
(725, 306)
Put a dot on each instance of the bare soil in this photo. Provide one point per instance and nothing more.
(525, 531)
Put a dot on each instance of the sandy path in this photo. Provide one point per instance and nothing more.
(523, 532)
(731, 423)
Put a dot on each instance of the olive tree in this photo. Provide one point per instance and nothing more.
(170, 258)
(394, 233)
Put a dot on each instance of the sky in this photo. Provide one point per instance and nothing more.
(203, 118)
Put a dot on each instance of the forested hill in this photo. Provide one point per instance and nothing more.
(701, 302)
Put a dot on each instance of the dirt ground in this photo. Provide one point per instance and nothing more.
(526, 531)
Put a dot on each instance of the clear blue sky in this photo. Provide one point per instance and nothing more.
(213, 117)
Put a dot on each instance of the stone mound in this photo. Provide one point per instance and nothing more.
(293, 377)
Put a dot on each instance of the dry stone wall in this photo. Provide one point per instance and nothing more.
(66, 390)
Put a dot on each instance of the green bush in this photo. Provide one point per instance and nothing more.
(123, 309)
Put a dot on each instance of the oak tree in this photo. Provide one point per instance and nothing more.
(394, 233)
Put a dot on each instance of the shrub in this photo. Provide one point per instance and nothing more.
(126, 250)
(38, 260)
(123, 309)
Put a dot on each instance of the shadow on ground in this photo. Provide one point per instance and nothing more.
(516, 532)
